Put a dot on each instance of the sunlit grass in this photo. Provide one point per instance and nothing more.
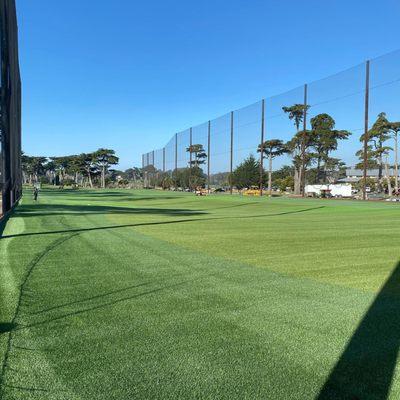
(161, 295)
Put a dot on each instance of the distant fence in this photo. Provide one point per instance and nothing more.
(352, 99)
(10, 109)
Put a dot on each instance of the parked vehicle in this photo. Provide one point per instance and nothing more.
(334, 190)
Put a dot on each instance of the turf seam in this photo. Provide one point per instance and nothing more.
(25, 280)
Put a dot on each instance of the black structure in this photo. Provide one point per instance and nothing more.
(10, 108)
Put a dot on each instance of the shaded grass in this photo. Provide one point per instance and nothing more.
(169, 296)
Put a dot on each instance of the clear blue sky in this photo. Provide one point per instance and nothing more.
(127, 74)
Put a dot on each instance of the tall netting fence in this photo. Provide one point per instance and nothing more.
(340, 132)
(10, 106)
(220, 151)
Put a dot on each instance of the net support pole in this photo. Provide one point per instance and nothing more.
(208, 155)
(163, 160)
(163, 169)
(154, 174)
(176, 160)
(303, 145)
(190, 157)
(190, 145)
(262, 147)
(366, 123)
(231, 160)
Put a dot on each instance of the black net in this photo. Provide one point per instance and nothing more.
(10, 98)
(321, 133)
(220, 151)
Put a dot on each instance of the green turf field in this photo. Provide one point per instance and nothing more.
(160, 295)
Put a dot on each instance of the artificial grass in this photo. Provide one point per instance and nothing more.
(157, 295)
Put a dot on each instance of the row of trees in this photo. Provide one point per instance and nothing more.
(190, 177)
(308, 147)
(311, 153)
(378, 152)
(86, 169)
(247, 174)
(311, 149)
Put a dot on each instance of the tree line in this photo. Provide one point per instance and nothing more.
(307, 148)
(190, 177)
(310, 151)
(86, 169)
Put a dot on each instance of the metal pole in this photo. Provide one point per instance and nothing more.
(231, 166)
(163, 170)
(305, 107)
(366, 123)
(262, 147)
(154, 167)
(190, 158)
(176, 160)
(303, 145)
(208, 155)
(163, 159)
(190, 146)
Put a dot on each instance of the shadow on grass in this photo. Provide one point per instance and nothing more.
(3, 223)
(6, 327)
(36, 210)
(34, 389)
(176, 221)
(366, 367)
(95, 297)
(110, 303)
(97, 194)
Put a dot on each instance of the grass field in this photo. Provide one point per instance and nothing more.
(162, 295)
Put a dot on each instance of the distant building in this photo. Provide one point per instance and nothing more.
(353, 175)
